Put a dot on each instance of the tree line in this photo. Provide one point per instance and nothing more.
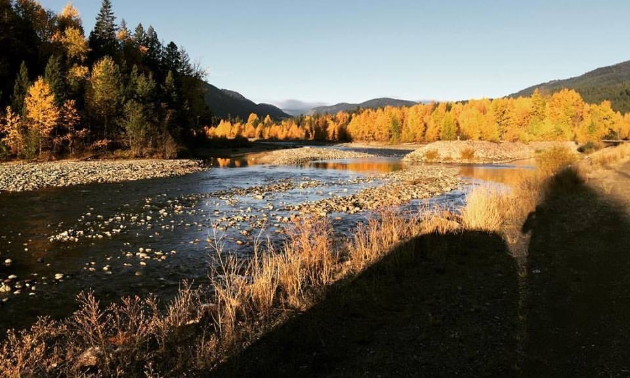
(62, 93)
(562, 116)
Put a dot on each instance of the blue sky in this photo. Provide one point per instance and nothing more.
(350, 50)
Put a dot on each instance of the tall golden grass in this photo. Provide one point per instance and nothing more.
(203, 325)
(495, 210)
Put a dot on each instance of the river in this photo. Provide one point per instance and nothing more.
(142, 237)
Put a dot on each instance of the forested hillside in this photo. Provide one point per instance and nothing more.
(63, 93)
(226, 104)
(563, 116)
(610, 83)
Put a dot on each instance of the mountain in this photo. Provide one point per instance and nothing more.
(224, 103)
(606, 83)
(371, 104)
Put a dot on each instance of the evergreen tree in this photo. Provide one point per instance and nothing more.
(171, 59)
(154, 49)
(22, 84)
(54, 78)
(103, 37)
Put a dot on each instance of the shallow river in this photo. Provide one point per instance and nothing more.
(144, 237)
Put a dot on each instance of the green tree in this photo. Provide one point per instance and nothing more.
(449, 128)
(104, 93)
(136, 125)
(103, 37)
(22, 84)
(54, 78)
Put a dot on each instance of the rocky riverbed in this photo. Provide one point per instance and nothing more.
(298, 156)
(416, 182)
(18, 177)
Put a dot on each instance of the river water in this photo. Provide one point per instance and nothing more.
(143, 237)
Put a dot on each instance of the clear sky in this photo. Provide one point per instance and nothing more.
(353, 50)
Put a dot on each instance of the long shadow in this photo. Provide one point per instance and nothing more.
(438, 306)
(578, 313)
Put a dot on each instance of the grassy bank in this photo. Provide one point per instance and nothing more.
(458, 258)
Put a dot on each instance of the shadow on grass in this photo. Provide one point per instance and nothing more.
(578, 307)
(440, 305)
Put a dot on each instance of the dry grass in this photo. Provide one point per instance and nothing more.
(485, 209)
(468, 154)
(204, 325)
(431, 155)
(555, 159)
(609, 156)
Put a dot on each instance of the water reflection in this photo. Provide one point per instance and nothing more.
(507, 174)
(370, 165)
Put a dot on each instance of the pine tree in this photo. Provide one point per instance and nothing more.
(171, 58)
(54, 78)
(154, 49)
(22, 84)
(103, 37)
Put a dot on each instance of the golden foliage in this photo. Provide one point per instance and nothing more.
(563, 116)
(41, 112)
(11, 128)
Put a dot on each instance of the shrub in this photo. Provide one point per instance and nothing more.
(468, 154)
(485, 209)
(431, 155)
(555, 159)
(590, 147)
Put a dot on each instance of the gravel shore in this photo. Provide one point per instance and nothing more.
(298, 156)
(18, 177)
(399, 187)
(481, 152)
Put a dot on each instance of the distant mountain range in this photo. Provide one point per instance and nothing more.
(606, 83)
(224, 103)
(370, 104)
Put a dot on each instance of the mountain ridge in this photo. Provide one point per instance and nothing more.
(226, 103)
(369, 104)
(604, 83)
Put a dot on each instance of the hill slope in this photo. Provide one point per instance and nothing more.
(371, 104)
(606, 83)
(224, 103)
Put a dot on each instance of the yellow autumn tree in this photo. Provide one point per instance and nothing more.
(41, 113)
(11, 131)
(69, 119)
(75, 45)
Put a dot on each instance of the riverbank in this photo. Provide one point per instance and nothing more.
(298, 156)
(26, 176)
(480, 152)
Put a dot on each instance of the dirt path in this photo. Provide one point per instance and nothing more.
(578, 321)
(446, 306)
